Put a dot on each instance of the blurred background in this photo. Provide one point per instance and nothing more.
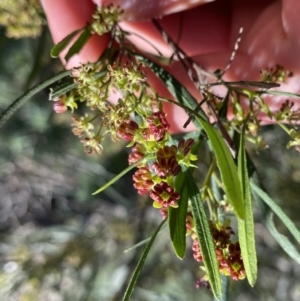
(58, 242)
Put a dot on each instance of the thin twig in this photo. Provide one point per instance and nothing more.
(219, 73)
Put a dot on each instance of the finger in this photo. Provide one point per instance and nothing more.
(68, 15)
(142, 10)
(203, 29)
(291, 21)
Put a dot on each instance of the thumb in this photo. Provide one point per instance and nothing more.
(68, 15)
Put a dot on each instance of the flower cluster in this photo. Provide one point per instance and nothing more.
(273, 75)
(149, 138)
(130, 77)
(95, 85)
(228, 253)
(105, 18)
(156, 175)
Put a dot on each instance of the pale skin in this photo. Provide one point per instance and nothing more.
(206, 31)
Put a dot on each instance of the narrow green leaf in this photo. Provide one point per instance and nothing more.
(255, 84)
(13, 108)
(142, 242)
(282, 240)
(177, 217)
(79, 43)
(204, 236)
(60, 46)
(120, 175)
(277, 210)
(281, 93)
(227, 169)
(62, 88)
(225, 288)
(246, 227)
(140, 265)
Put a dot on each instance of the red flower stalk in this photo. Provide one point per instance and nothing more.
(142, 180)
(127, 129)
(166, 164)
(164, 196)
(158, 125)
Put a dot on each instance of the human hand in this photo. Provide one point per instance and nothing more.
(207, 34)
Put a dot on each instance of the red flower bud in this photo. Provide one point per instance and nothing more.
(59, 107)
(127, 129)
(142, 180)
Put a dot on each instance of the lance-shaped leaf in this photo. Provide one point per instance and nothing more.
(277, 210)
(177, 217)
(282, 240)
(13, 108)
(59, 47)
(120, 175)
(204, 236)
(140, 265)
(246, 227)
(227, 169)
(79, 43)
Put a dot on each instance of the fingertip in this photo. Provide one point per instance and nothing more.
(176, 117)
(67, 16)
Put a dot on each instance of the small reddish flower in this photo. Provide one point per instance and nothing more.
(196, 250)
(127, 129)
(189, 222)
(184, 155)
(221, 235)
(164, 196)
(142, 180)
(166, 164)
(235, 262)
(148, 136)
(59, 107)
(163, 212)
(158, 125)
(82, 125)
(137, 153)
(184, 146)
(202, 282)
(93, 145)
